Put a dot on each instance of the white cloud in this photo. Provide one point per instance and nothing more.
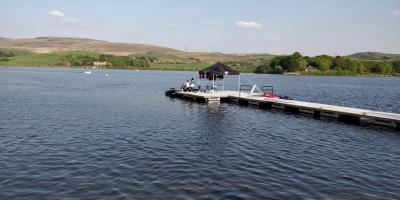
(171, 26)
(60, 17)
(395, 13)
(212, 22)
(56, 13)
(249, 24)
(132, 30)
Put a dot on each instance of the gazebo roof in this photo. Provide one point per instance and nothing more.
(218, 69)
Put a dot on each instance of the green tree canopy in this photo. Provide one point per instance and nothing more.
(396, 66)
(382, 68)
(323, 62)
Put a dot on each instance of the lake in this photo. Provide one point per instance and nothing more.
(66, 134)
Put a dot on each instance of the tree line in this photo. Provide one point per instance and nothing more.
(4, 56)
(128, 62)
(112, 62)
(325, 64)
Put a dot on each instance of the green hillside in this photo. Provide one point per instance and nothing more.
(55, 44)
(44, 59)
(374, 56)
(78, 52)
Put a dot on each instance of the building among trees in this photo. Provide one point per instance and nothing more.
(99, 63)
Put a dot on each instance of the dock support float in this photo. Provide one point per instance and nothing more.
(318, 111)
(349, 119)
(317, 114)
(329, 114)
(291, 109)
(277, 106)
(201, 100)
(243, 102)
(265, 105)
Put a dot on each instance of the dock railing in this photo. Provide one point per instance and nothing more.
(216, 88)
(267, 89)
(244, 88)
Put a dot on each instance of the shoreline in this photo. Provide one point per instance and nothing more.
(190, 70)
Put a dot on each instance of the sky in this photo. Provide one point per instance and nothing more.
(312, 27)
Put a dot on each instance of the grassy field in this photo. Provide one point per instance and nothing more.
(52, 52)
(176, 62)
(24, 58)
(179, 67)
(16, 52)
(345, 73)
(43, 59)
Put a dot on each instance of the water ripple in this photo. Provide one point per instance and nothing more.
(67, 136)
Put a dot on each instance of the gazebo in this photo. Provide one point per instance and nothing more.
(217, 72)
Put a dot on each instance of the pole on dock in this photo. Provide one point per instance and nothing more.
(199, 83)
(223, 85)
(213, 83)
(239, 85)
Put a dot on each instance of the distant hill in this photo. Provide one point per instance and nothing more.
(61, 51)
(54, 44)
(57, 44)
(166, 55)
(374, 56)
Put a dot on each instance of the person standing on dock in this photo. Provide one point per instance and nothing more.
(185, 86)
(191, 86)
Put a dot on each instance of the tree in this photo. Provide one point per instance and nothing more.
(382, 68)
(4, 54)
(353, 65)
(338, 62)
(275, 61)
(396, 66)
(296, 62)
(323, 62)
(296, 54)
(277, 70)
(76, 63)
(308, 59)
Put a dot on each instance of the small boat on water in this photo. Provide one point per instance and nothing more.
(87, 72)
(170, 92)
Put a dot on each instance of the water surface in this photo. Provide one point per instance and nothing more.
(65, 134)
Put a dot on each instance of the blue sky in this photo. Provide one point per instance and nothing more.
(230, 26)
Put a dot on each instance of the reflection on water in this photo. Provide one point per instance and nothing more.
(65, 134)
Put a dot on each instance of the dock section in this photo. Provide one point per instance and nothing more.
(316, 110)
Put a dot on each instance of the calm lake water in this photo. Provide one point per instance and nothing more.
(65, 134)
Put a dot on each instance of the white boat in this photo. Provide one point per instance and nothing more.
(88, 72)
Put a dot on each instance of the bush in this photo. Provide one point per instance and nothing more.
(328, 65)
(382, 68)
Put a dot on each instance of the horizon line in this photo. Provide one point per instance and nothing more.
(199, 51)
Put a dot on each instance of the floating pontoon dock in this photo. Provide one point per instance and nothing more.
(317, 110)
(266, 99)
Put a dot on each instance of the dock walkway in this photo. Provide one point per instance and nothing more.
(317, 110)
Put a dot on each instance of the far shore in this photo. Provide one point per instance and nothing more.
(166, 68)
